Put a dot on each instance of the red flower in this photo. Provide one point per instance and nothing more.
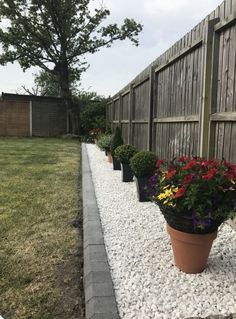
(187, 179)
(171, 174)
(181, 191)
(210, 174)
(159, 163)
(190, 164)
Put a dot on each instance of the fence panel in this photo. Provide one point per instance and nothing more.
(14, 118)
(188, 106)
(48, 119)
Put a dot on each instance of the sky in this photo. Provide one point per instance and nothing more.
(164, 22)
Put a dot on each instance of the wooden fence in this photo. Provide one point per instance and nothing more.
(184, 103)
(26, 115)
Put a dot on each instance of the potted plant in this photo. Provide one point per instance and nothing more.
(143, 165)
(104, 143)
(115, 142)
(124, 154)
(195, 196)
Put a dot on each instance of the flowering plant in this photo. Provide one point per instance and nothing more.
(95, 132)
(195, 195)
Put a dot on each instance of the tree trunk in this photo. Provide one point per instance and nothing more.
(63, 78)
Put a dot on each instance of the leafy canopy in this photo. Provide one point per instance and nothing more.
(56, 34)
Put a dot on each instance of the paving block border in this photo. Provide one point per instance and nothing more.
(100, 301)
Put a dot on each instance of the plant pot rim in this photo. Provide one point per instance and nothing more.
(190, 237)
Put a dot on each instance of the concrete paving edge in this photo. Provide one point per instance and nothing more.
(100, 302)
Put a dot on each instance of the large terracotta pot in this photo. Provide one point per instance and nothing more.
(190, 251)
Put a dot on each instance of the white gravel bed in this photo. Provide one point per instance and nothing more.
(146, 282)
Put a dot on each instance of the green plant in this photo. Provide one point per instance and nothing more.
(143, 163)
(93, 116)
(125, 152)
(104, 142)
(116, 140)
(194, 194)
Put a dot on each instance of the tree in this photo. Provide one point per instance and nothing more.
(45, 84)
(93, 115)
(56, 34)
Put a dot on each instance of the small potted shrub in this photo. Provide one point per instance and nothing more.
(195, 196)
(143, 165)
(124, 154)
(104, 143)
(115, 142)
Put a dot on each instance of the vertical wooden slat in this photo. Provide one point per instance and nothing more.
(131, 107)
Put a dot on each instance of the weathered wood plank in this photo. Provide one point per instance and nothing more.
(225, 24)
(223, 116)
(177, 119)
(178, 56)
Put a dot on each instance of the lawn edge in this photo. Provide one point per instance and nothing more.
(100, 301)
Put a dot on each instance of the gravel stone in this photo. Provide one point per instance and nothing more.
(146, 282)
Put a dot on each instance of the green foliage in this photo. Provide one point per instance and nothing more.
(104, 142)
(47, 84)
(125, 152)
(117, 140)
(93, 115)
(56, 35)
(143, 163)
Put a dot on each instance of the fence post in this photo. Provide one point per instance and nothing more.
(120, 109)
(207, 90)
(150, 108)
(112, 114)
(131, 105)
(214, 85)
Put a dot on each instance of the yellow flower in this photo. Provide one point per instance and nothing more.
(161, 196)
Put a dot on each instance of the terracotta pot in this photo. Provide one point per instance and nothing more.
(190, 251)
(109, 157)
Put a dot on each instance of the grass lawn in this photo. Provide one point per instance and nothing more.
(40, 235)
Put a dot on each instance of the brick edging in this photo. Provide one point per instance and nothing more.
(100, 302)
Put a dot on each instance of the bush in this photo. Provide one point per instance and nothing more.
(125, 152)
(104, 142)
(93, 115)
(143, 164)
(116, 140)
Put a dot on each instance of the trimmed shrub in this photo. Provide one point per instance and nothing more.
(125, 152)
(116, 140)
(143, 163)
